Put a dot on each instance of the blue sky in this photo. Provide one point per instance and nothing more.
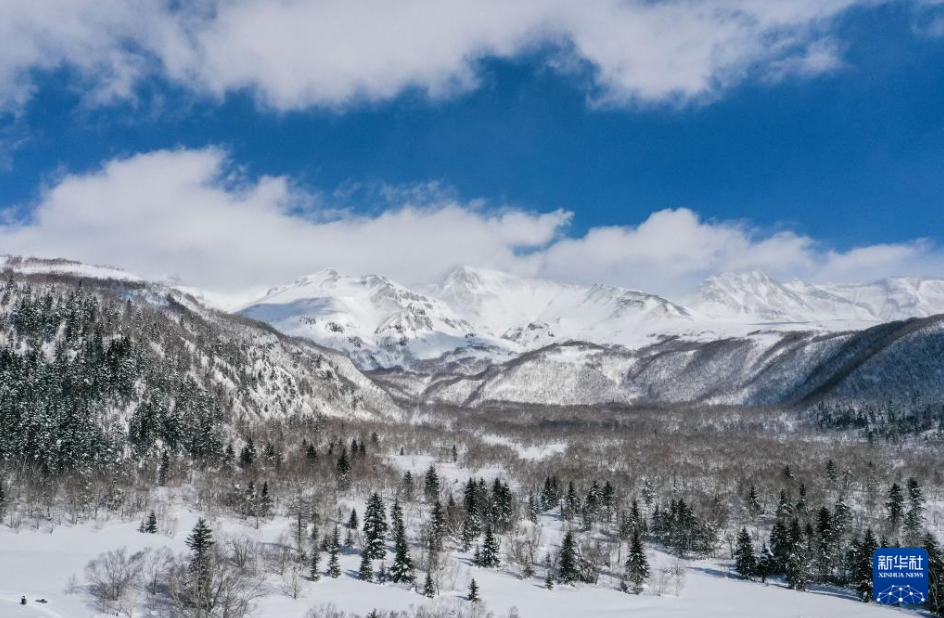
(823, 159)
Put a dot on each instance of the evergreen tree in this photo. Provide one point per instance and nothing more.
(914, 520)
(473, 592)
(352, 521)
(548, 573)
(895, 506)
(150, 524)
(571, 502)
(396, 515)
(163, 470)
(796, 568)
(784, 509)
(826, 545)
(862, 566)
(265, 500)
(765, 564)
(533, 511)
(334, 551)
(744, 561)
(437, 526)
(201, 544)
(402, 569)
(407, 487)
(315, 563)
(779, 547)
(429, 589)
(636, 569)
(375, 528)
(343, 470)
(753, 504)
(489, 556)
(366, 570)
(431, 485)
(567, 567)
(248, 453)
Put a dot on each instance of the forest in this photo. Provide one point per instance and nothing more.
(115, 401)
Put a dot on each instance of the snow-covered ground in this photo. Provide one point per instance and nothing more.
(39, 564)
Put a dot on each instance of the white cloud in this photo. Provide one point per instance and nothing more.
(189, 213)
(182, 213)
(296, 54)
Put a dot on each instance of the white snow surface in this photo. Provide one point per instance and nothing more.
(476, 313)
(35, 266)
(39, 562)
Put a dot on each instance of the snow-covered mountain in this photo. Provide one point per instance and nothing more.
(535, 312)
(753, 297)
(378, 322)
(476, 317)
(470, 314)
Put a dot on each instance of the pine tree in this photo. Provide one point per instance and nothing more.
(862, 566)
(352, 521)
(343, 470)
(315, 563)
(366, 570)
(784, 509)
(753, 504)
(163, 470)
(473, 592)
(265, 500)
(796, 569)
(375, 527)
(437, 526)
(744, 561)
(765, 564)
(567, 567)
(548, 573)
(201, 544)
(248, 454)
(571, 502)
(407, 487)
(334, 551)
(200, 541)
(489, 556)
(637, 565)
(431, 485)
(150, 524)
(895, 506)
(402, 569)
(429, 589)
(532, 508)
(914, 520)
(779, 547)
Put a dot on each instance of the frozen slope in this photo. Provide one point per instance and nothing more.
(376, 321)
(753, 297)
(537, 312)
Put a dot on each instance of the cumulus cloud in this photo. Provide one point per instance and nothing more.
(191, 214)
(295, 54)
(187, 214)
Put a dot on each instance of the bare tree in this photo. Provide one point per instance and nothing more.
(112, 576)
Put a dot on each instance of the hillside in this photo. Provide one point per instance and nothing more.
(99, 368)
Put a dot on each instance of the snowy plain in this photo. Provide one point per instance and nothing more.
(39, 564)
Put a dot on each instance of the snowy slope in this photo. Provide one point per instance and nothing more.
(753, 297)
(376, 321)
(39, 266)
(536, 312)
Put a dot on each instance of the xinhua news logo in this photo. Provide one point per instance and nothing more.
(900, 576)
